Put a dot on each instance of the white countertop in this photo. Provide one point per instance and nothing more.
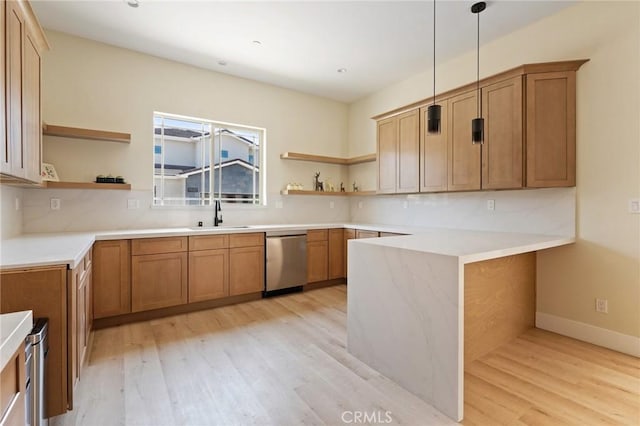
(470, 246)
(33, 250)
(14, 327)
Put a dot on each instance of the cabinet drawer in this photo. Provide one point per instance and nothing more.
(318, 235)
(11, 384)
(158, 245)
(246, 240)
(366, 234)
(208, 242)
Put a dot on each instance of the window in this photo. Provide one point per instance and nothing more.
(198, 161)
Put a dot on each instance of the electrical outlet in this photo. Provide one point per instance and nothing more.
(133, 204)
(279, 204)
(405, 204)
(55, 204)
(360, 204)
(331, 204)
(491, 205)
(18, 204)
(602, 305)
(634, 205)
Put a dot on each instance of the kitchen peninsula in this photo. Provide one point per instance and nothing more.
(421, 307)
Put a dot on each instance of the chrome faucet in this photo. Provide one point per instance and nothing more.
(217, 220)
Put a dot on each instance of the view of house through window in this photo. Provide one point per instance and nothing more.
(198, 161)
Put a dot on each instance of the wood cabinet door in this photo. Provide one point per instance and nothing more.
(433, 153)
(387, 136)
(4, 152)
(336, 254)
(158, 281)
(463, 155)
(208, 274)
(112, 278)
(81, 325)
(502, 161)
(12, 386)
(246, 270)
(551, 129)
(44, 291)
(317, 261)
(31, 122)
(408, 179)
(12, 161)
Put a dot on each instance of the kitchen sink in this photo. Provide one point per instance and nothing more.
(209, 228)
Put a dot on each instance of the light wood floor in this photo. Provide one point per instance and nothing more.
(283, 361)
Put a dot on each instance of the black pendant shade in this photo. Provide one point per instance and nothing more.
(433, 118)
(477, 130)
(477, 124)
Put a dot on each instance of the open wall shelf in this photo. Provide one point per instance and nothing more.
(328, 160)
(334, 193)
(86, 185)
(90, 134)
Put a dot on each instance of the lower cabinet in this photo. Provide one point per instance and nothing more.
(45, 291)
(246, 269)
(317, 255)
(12, 385)
(337, 265)
(158, 281)
(208, 274)
(112, 278)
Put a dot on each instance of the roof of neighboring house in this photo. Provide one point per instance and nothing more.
(223, 164)
(180, 133)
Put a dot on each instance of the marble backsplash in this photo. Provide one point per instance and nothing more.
(550, 211)
(10, 217)
(84, 210)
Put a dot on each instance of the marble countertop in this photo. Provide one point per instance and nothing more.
(468, 245)
(14, 327)
(33, 250)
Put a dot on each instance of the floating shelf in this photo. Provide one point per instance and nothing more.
(334, 193)
(78, 133)
(328, 160)
(86, 185)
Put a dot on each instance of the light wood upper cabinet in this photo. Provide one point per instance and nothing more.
(387, 153)
(21, 44)
(208, 274)
(246, 269)
(337, 267)
(433, 152)
(463, 155)
(502, 161)
(112, 278)
(551, 129)
(398, 153)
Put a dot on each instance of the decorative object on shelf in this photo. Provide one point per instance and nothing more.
(434, 111)
(109, 179)
(477, 124)
(318, 186)
(49, 173)
(355, 187)
(342, 187)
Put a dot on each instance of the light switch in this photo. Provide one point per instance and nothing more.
(279, 204)
(133, 204)
(634, 205)
(331, 204)
(18, 204)
(491, 205)
(55, 204)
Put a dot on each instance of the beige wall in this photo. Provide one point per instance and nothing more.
(605, 262)
(93, 85)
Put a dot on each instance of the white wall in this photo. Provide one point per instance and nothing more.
(10, 218)
(97, 86)
(605, 262)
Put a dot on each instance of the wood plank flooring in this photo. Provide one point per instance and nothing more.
(283, 361)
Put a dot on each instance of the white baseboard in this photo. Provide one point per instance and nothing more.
(589, 333)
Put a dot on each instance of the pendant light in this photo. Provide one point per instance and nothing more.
(434, 111)
(477, 124)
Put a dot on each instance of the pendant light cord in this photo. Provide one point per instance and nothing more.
(479, 109)
(434, 52)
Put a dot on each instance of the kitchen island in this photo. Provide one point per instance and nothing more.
(422, 306)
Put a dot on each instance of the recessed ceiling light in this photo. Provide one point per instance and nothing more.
(133, 3)
(222, 63)
(257, 42)
(342, 70)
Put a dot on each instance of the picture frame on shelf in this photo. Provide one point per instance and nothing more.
(49, 173)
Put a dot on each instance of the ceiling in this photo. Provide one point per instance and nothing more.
(303, 43)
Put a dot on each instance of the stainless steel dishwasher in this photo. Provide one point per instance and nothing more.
(286, 261)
